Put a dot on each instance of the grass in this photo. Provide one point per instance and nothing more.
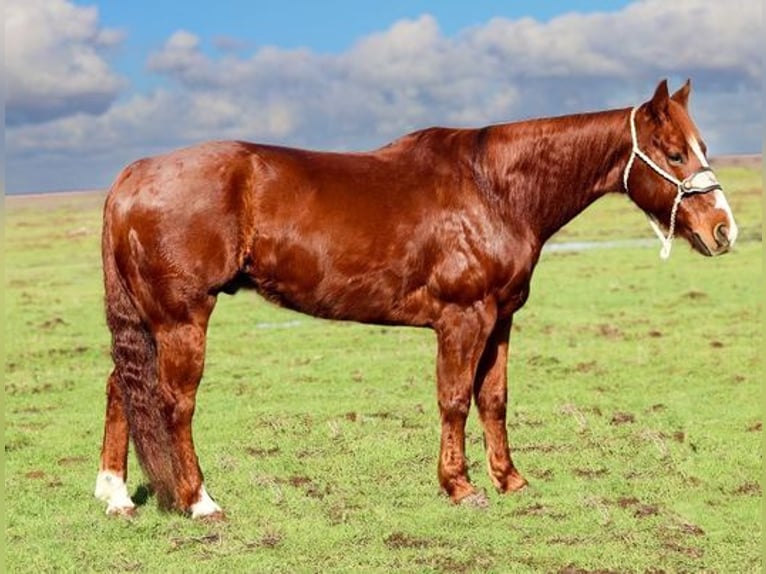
(635, 414)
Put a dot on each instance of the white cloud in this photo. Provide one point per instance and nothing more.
(55, 63)
(411, 75)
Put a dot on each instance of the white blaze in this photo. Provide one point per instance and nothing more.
(721, 203)
(695, 146)
(720, 198)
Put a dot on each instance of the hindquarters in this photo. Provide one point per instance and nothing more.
(170, 241)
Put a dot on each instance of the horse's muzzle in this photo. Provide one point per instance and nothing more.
(722, 242)
(721, 235)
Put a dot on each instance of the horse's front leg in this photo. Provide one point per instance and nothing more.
(113, 466)
(491, 394)
(462, 334)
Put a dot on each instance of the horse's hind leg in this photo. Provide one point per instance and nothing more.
(491, 394)
(113, 467)
(181, 356)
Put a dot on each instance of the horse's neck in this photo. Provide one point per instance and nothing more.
(548, 171)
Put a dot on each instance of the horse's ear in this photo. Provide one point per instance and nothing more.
(658, 105)
(682, 95)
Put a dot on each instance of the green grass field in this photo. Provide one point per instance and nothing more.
(635, 413)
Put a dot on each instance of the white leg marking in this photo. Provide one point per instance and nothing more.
(112, 489)
(205, 506)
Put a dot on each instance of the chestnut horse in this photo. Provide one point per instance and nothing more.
(441, 228)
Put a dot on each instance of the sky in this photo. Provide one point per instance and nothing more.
(92, 86)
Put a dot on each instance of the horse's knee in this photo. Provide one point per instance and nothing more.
(492, 406)
(455, 408)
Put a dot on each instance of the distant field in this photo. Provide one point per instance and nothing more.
(635, 413)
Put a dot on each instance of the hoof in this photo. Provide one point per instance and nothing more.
(476, 499)
(513, 483)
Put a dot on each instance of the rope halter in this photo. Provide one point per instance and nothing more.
(701, 181)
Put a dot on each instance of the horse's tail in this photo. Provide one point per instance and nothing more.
(134, 353)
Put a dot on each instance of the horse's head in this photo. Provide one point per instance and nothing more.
(668, 175)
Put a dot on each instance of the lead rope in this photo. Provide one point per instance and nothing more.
(636, 151)
(667, 242)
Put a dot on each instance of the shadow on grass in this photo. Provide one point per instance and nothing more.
(142, 494)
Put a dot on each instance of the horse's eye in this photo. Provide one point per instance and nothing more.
(675, 158)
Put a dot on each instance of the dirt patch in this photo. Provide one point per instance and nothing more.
(627, 501)
(755, 427)
(655, 334)
(13, 389)
(546, 474)
(586, 367)
(400, 540)
(644, 510)
(310, 488)
(611, 332)
(532, 510)
(34, 474)
(620, 418)
(748, 489)
(260, 452)
(590, 473)
(566, 540)
(693, 529)
(685, 550)
(692, 480)
(573, 569)
(538, 509)
(340, 511)
(716, 344)
(179, 542)
(442, 563)
(270, 539)
(52, 323)
(526, 423)
(34, 410)
(547, 363)
(695, 295)
(298, 480)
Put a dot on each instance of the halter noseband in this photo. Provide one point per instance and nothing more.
(701, 181)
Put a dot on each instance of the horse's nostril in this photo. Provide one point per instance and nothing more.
(721, 233)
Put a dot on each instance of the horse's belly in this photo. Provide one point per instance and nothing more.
(313, 279)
